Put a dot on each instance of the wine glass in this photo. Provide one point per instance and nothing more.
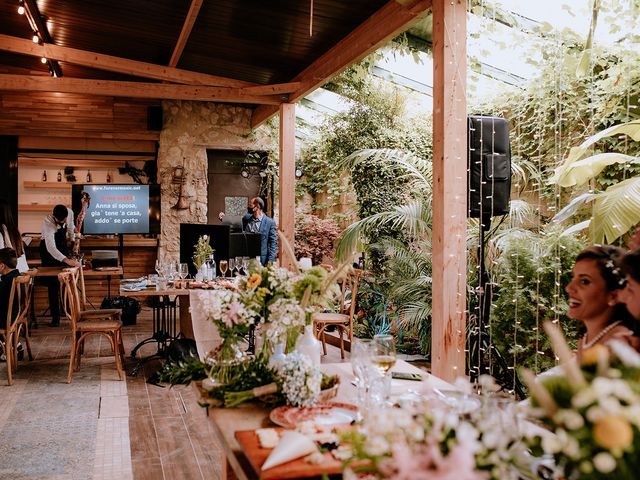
(223, 267)
(384, 357)
(183, 271)
(239, 265)
(232, 266)
(159, 267)
(245, 265)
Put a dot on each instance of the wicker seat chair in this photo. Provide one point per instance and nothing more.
(80, 330)
(342, 320)
(19, 307)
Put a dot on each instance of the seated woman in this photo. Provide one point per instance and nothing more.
(630, 295)
(593, 298)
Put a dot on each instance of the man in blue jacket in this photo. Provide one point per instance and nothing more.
(258, 222)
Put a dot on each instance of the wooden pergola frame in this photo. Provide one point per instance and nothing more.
(449, 128)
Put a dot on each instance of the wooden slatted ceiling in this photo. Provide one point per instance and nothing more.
(253, 40)
(268, 42)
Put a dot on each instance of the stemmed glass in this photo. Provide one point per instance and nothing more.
(223, 267)
(245, 265)
(239, 265)
(232, 266)
(362, 351)
(385, 353)
(183, 271)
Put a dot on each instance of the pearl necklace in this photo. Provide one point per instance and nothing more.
(603, 332)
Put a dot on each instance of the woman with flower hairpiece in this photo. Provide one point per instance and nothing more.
(594, 294)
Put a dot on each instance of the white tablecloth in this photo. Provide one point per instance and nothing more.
(205, 332)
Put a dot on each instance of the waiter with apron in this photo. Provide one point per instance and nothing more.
(53, 252)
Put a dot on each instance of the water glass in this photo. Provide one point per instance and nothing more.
(232, 266)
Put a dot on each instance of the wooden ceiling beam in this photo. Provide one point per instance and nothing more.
(134, 89)
(275, 89)
(33, 13)
(192, 14)
(115, 135)
(392, 19)
(116, 64)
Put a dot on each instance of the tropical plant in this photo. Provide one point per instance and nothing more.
(616, 209)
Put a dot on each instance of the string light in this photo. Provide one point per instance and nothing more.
(43, 60)
(35, 38)
(21, 8)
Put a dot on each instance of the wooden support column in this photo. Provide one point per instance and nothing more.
(449, 188)
(287, 178)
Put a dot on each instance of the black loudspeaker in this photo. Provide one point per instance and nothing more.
(154, 117)
(489, 162)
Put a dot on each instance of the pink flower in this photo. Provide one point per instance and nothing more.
(233, 314)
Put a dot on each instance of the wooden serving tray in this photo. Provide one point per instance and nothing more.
(298, 468)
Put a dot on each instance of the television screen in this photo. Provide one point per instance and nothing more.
(115, 209)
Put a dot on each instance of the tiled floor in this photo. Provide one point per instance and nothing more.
(99, 427)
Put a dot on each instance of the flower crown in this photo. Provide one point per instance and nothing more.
(616, 272)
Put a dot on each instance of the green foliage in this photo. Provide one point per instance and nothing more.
(530, 273)
(182, 372)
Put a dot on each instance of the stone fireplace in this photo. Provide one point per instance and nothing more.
(189, 129)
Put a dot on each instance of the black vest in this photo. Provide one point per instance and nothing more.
(61, 244)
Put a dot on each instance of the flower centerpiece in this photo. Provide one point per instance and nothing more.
(593, 411)
(233, 319)
(285, 300)
(438, 439)
(202, 251)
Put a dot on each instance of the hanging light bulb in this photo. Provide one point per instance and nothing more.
(43, 60)
(35, 37)
(21, 8)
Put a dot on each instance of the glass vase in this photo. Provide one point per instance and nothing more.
(225, 360)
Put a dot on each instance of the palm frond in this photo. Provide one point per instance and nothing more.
(573, 207)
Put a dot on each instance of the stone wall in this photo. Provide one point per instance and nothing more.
(189, 129)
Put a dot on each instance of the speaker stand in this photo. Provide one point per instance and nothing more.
(480, 345)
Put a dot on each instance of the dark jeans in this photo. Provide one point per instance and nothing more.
(53, 285)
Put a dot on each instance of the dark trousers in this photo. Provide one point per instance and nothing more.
(53, 285)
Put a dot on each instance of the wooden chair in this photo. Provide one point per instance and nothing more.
(110, 328)
(108, 313)
(19, 306)
(343, 319)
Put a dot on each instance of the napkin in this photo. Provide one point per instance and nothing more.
(292, 445)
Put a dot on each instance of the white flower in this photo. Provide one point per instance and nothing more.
(551, 443)
(573, 420)
(300, 380)
(604, 462)
(377, 446)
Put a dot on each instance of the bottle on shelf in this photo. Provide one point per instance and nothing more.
(59, 175)
(88, 176)
(44, 175)
(109, 179)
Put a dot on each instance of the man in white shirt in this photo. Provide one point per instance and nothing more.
(53, 252)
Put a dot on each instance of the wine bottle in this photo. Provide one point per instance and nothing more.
(88, 176)
(44, 175)
(59, 176)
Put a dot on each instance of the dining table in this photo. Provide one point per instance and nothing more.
(226, 422)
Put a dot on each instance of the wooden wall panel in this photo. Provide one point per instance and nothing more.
(46, 111)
